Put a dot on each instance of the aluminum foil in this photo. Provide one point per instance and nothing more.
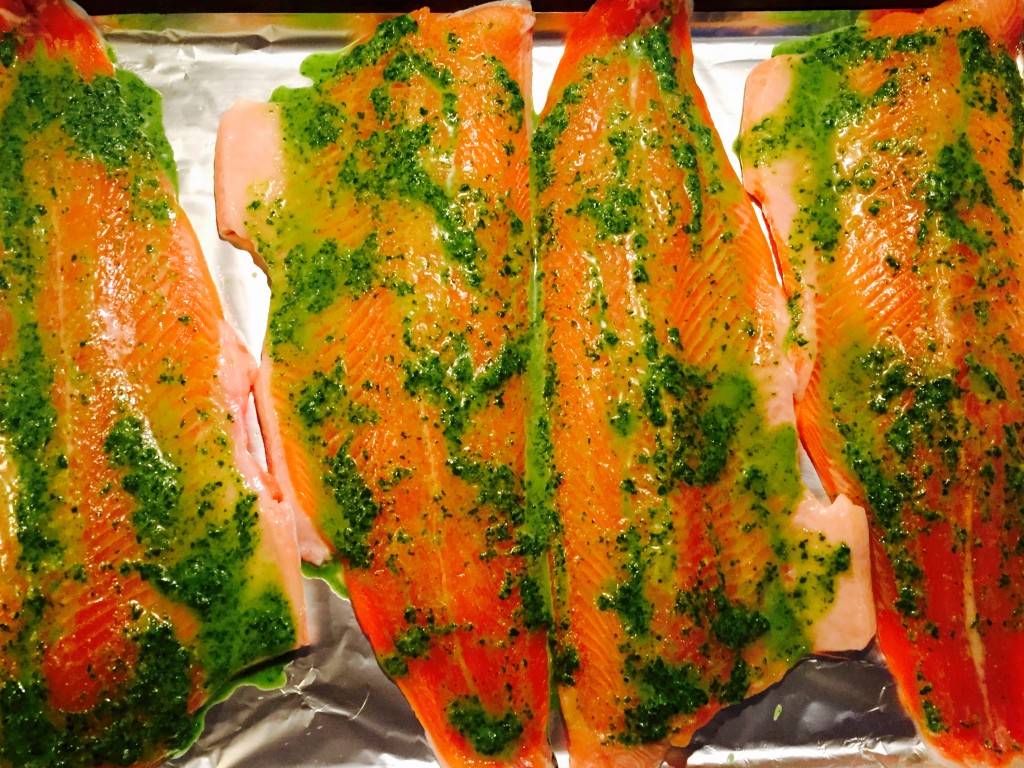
(337, 709)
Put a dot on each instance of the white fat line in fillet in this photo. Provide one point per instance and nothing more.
(974, 642)
(12, 18)
(436, 525)
(943, 325)
(776, 377)
(56, 242)
(8, 528)
(638, 308)
(807, 328)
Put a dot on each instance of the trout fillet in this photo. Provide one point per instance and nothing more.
(145, 559)
(691, 567)
(389, 202)
(888, 160)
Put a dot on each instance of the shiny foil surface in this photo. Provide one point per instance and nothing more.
(337, 708)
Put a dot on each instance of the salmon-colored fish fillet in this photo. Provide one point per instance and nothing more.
(692, 567)
(888, 158)
(390, 203)
(144, 558)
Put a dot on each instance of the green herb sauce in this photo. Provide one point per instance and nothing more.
(490, 735)
(385, 39)
(151, 478)
(315, 281)
(358, 509)
(239, 624)
(330, 573)
(28, 419)
(665, 691)
(957, 183)
(154, 709)
(9, 43)
(147, 102)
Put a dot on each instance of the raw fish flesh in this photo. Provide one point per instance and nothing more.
(389, 201)
(145, 559)
(888, 160)
(692, 567)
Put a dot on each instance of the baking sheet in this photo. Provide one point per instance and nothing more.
(337, 708)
